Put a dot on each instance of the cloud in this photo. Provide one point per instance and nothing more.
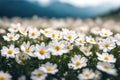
(91, 3)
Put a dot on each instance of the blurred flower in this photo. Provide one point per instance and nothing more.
(5, 76)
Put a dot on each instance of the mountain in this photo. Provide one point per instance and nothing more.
(23, 8)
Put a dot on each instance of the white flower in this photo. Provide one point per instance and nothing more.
(5, 76)
(38, 75)
(86, 74)
(80, 41)
(117, 37)
(106, 57)
(77, 62)
(107, 44)
(14, 27)
(90, 40)
(57, 47)
(105, 33)
(107, 67)
(33, 33)
(97, 75)
(68, 46)
(10, 51)
(21, 57)
(2, 31)
(45, 31)
(11, 37)
(95, 30)
(26, 48)
(86, 50)
(69, 35)
(23, 30)
(49, 68)
(41, 51)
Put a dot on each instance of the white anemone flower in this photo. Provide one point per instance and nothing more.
(90, 40)
(77, 62)
(49, 68)
(38, 75)
(69, 35)
(5, 76)
(57, 47)
(14, 27)
(9, 52)
(107, 44)
(11, 37)
(41, 51)
(27, 48)
(106, 57)
(107, 67)
(86, 74)
(105, 33)
(33, 33)
(86, 50)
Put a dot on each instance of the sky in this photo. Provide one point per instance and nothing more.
(81, 3)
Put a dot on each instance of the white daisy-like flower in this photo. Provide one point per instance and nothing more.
(38, 75)
(107, 67)
(41, 51)
(69, 35)
(106, 44)
(95, 30)
(11, 37)
(33, 33)
(27, 48)
(45, 31)
(2, 31)
(106, 57)
(23, 31)
(5, 76)
(86, 74)
(86, 50)
(21, 57)
(57, 47)
(10, 51)
(105, 33)
(68, 46)
(14, 27)
(80, 41)
(90, 40)
(117, 38)
(77, 62)
(49, 68)
(55, 35)
(97, 75)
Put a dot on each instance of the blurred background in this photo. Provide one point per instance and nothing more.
(60, 8)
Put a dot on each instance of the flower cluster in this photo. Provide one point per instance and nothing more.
(60, 54)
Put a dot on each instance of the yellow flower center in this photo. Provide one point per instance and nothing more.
(57, 47)
(42, 51)
(11, 37)
(53, 35)
(2, 78)
(15, 28)
(10, 51)
(59, 36)
(45, 31)
(87, 75)
(78, 63)
(68, 47)
(49, 69)
(69, 37)
(80, 41)
(39, 75)
(106, 45)
(106, 67)
(33, 33)
(86, 51)
(27, 50)
(106, 58)
(91, 40)
(20, 58)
